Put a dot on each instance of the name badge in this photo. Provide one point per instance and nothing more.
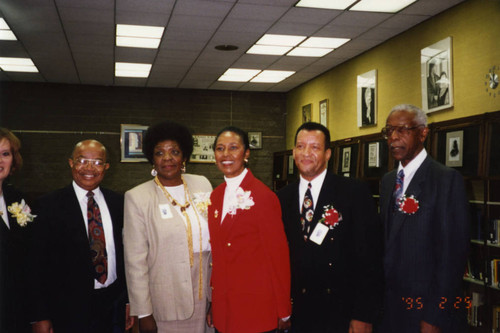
(319, 233)
(165, 211)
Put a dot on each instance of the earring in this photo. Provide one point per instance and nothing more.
(154, 172)
(183, 168)
(246, 160)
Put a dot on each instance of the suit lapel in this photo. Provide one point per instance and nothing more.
(414, 188)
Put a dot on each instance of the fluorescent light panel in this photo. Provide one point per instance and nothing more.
(272, 76)
(5, 32)
(140, 36)
(9, 64)
(280, 40)
(254, 75)
(324, 42)
(145, 31)
(147, 43)
(269, 50)
(3, 24)
(386, 6)
(239, 74)
(309, 52)
(127, 69)
(326, 4)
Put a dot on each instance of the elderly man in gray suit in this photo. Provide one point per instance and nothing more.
(424, 209)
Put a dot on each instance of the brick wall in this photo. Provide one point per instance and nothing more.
(50, 118)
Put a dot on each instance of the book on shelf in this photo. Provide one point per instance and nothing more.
(494, 227)
(474, 313)
(496, 319)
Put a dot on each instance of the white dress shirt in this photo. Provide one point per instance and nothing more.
(411, 168)
(3, 209)
(107, 225)
(177, 192)
(232, 185)
(316, 185)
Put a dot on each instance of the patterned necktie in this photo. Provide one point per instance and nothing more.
(96, 239)
(307, 213)
(398, 189)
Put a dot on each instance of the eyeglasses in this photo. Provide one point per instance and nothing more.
(401, 130)
(80, 162)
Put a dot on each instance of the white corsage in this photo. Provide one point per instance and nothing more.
(241, 200)
(22, 212)
(202, 201)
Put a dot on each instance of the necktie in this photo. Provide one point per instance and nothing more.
(97, 240)
(398, 189)
(307, 213)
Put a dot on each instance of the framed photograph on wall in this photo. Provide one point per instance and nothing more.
(323, 112)
(306, 113)
(346, 159)
(255, 139)
(367, 98)
(454, 148)
(131, 137)
(437, 76)
(373, 155)
(203, 149)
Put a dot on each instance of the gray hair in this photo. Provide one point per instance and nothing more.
(420, 116)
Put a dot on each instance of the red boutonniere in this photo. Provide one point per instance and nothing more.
(408, 205)
(331, 217)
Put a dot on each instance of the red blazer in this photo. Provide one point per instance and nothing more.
(251, 267)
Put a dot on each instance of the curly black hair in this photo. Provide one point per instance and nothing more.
(167, 130)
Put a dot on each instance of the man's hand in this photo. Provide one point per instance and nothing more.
(425, 327)
(148, 325)
(129, 321)
(43, 326)
(357, 326)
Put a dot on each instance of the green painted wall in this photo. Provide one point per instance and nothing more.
(475, 30)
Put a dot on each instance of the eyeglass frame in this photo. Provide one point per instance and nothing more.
(401, 130)
(81, 162)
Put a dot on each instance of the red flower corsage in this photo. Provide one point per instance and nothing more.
(408, 205)
(331, 217)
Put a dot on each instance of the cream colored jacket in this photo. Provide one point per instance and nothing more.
(156, 253)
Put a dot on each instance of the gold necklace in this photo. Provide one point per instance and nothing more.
(187, 203)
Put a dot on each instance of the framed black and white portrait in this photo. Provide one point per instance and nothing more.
(323, 112)
(306, 113)
(454, 148)
(437, 76)
(346, 159)
(255, 140)
(367, 98)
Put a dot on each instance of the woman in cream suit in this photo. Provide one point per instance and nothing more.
(166, 240)
(251, 271)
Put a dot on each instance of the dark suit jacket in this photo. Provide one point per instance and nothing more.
(341, 279)
(425, 253)
(63, 272)
(13, 276)
(251, 272)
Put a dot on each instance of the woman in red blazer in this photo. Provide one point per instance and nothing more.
(251, 268)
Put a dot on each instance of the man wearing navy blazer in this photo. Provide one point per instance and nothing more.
(426, 233)
(67, 294)
(336, 258)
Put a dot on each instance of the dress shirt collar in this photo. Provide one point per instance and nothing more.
(316, 185)
(411, 168)
(233, 182)
(81, 193)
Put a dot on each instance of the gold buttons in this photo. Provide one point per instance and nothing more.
(303, 290)
(228, 244)
(328, 291)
